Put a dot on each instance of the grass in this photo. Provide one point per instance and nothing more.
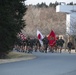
(18, 55)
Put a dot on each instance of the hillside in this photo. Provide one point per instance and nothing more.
(44, 19)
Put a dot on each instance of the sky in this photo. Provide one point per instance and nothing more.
(47, 1)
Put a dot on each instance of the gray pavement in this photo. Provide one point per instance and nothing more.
(44, 64)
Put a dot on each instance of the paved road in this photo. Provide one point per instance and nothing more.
(44, 64)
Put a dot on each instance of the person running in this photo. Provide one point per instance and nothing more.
(45, 43)
(60, 43)
(69, 45)
(29, 43)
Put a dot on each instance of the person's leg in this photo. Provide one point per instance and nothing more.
(60, 49)
(69, 50)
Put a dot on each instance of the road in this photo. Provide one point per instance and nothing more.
(44, 64)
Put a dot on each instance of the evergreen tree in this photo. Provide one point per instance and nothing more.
(71, 3)
(11, 23)
(50, 5)
(42, 5)
(53, 4)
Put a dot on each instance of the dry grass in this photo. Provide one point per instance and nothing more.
(17, 56)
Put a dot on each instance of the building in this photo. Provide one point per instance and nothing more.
(70, 11)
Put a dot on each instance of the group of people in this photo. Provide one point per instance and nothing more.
(32, 44)
(60, 43)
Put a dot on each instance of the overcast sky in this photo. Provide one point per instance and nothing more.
(47, 1)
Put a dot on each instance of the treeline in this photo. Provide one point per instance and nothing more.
(43, 4)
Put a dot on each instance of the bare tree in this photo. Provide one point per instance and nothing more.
(71, 30)
(44, 19)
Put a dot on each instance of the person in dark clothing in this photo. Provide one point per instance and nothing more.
(69, 45)
(29, 43)
(60, 43)
(18, 44)
(36, 44)
(57, 44)
(45, 43)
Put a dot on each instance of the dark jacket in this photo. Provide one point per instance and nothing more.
(69, 45)
(60, 42)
